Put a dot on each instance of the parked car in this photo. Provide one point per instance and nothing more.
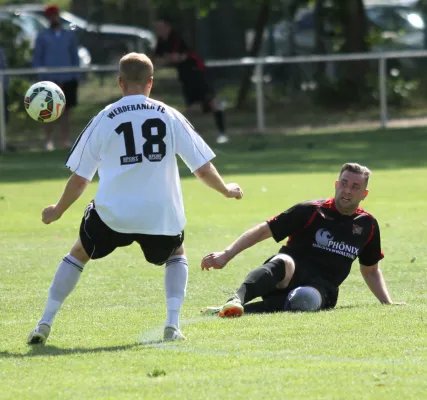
(105, 42)
(31, 25)
(399, 26)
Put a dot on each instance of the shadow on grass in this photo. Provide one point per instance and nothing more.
(258, 307)
(40, 351)
(270, 153)
(53, 351)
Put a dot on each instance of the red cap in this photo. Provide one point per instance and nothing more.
(51, 10)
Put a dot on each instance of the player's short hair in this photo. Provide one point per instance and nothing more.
(164, 18)
(135, 68)
(357, 169)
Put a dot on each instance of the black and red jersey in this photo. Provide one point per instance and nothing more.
(326, 242)
(176, 44)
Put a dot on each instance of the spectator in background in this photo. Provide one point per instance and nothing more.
(56, 47)
(3, 65)
(172, 50)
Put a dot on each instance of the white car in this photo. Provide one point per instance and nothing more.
(32, 24)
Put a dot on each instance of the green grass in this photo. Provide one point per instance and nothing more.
(101, 346)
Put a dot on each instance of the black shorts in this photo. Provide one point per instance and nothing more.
(70, 92)
(275, 301)
(196, 89)
(99, 240)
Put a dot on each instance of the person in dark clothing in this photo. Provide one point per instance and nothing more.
(57, 47)
(324, 239)
(198, 93)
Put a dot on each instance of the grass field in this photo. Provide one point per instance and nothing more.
(101, 346)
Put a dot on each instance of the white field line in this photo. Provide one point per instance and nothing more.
(152, 337)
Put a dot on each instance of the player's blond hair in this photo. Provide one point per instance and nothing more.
(135, 68)
(357, 169)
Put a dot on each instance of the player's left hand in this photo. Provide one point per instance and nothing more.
(50, 214)
(217, 260)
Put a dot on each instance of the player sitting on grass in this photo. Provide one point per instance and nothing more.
(133, 144)
(196, 86)
(324, 238)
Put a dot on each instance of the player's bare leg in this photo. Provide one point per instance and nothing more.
(218, 113)
(48, 131)
(176, 276)
(64, 125)
(65, 280)
(194, 108)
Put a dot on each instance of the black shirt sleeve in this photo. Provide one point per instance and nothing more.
(160, 48)
(173, 44)
(371, 252)
(291, 220)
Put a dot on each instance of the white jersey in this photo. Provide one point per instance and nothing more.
(133, 144)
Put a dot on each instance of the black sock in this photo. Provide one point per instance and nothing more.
(219, 121)
(261, 280)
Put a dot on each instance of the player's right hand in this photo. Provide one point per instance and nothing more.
(217, 260)
(234, 191)
(50, 214)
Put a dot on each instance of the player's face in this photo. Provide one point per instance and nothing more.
(350, 190)
(161, 28)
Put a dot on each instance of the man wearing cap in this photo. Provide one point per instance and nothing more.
(56, 47)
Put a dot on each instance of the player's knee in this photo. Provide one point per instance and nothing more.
(304, 298)
(289, 266)
(179, 252)
(79, 252)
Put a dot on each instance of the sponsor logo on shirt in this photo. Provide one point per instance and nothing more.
(325, 241)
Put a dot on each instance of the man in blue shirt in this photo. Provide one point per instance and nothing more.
(56, 47)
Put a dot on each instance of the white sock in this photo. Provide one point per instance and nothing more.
(65, 280)
(176, 276)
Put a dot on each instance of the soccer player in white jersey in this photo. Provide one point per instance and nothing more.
(133, 145)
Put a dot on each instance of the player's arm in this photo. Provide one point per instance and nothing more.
(208, 174)
(279, 227)
(173, 54)
(74, 188)
(248, 239)
(375, 281)
(369, 259)
(37, 59)
(74, 50)
(197, 155)
(83, 162)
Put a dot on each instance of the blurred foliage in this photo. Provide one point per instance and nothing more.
(18, 55)
(356, 86)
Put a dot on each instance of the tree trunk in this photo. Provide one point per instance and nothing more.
(355, 29)
(261, 22)
(80, 7)
(354, 26)
(320, 37)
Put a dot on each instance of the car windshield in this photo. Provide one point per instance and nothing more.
(68, 18)
(30, 24)
(396, 19)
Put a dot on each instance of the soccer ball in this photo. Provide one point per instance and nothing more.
(44, 101)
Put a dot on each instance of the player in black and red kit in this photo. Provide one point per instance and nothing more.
(171, 49)
(324, 238)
